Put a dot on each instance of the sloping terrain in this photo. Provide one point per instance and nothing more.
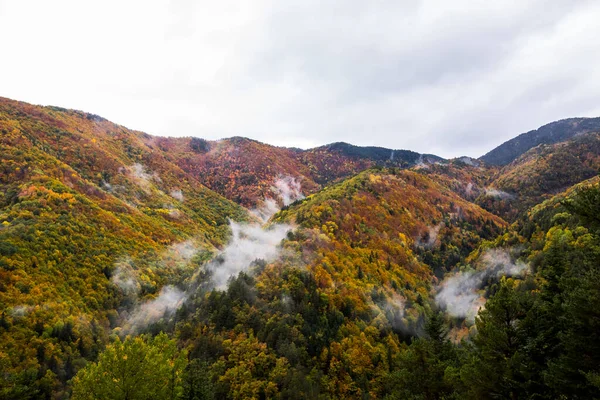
(541, 173)
(351, 287)
(241, 169)
(349, 292)
(85, 205)
(537, 335)
(339, 160)
(551, 133)
(465, 176)
(375, 206)
(245, 170)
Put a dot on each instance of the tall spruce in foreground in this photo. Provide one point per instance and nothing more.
(499, 365)
(420, 371)
(542, 339)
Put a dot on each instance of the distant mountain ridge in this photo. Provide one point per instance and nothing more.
(551, 133)
(243, 170)
(377, 153)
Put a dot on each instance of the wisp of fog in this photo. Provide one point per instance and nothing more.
(458, 293)
(249, 242)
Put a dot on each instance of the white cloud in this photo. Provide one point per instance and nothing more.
(167, 302)
(19, 311)
(248, 243)
(125, 277)
(183, 250)
(285, 188)
(288, 189)
(429, 240)
(177, 195)
(459, 293)
(142, 177)
(265, 210)
(498, 193)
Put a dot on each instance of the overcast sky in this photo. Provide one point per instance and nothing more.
(445, 77)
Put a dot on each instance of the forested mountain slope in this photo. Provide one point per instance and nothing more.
(541, 173)
(338, 160)
(551, 133)
(136, 266)
(442, 226)
(84, 205)
(241, 169)
(467, 177)
(351, 287)
(305, 326)
(244, 170)
(537, 335)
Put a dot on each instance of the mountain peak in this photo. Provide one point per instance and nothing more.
(551, 133)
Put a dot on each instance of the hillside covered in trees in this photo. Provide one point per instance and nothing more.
(243, 170)
(554, 132)
(137, 267)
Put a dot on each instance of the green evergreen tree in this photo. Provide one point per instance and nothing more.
(420, 371)
(498, 365)
(196, 381)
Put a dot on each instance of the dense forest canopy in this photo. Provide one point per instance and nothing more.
(139, 267)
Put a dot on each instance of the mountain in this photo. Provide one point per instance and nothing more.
(465, 176)
(90, 218)
(236, 269)
(98, 220)
(338, 160)
(371, 210)
(245, 170)
(548, 134)
(349, 291)
(537, 333)
(540, 173)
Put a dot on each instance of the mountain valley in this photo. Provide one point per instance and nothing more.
(237, 269)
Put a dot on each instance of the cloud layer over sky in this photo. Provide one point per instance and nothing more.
(446, 77)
